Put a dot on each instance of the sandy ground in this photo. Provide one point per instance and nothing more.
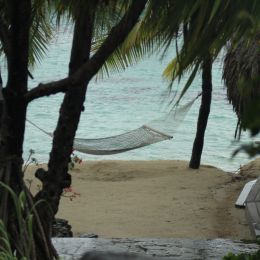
(155, 199)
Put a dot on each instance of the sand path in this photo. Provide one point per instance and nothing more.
(155, 199)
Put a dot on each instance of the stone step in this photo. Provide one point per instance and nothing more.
(175, 249)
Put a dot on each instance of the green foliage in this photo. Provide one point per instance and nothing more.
(24, 219)
(254, 256)
(210, 26)
(41, 30)
(251, 121)
(251, 118)
(5, 244)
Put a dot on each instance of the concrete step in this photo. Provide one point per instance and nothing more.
(175, 249)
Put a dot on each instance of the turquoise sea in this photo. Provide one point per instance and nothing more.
(126, 100)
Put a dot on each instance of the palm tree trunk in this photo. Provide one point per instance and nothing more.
(13, 116)
(12, 130)
(57, 176)
(203, 113)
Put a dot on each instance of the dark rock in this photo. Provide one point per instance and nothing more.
(114, 256)
(88, 236)
(41, 174)
(61, 228)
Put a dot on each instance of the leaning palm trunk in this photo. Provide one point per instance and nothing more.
(203, 113)
(57, 177)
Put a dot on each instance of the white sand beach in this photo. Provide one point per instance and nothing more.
(155, 199)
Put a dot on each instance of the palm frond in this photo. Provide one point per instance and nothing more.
(41, 30)
(210, 26)
(241, 76)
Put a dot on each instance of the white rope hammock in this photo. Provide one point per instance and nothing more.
(151, 133)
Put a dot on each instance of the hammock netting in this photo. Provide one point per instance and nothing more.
(151, 133)
(120, 143)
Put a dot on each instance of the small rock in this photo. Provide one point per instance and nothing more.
(88, 236)
(61, 228)
(114, 256)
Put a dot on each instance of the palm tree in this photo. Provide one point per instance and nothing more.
(167, 32)
(202, 28)
(241, 77)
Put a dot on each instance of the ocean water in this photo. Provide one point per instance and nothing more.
(126, 100)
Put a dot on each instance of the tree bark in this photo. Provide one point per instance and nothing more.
(14, 112)
(12, 137)
(81, 66)
(13, 121)
(203, 113)
(57, 176)
(5, 37)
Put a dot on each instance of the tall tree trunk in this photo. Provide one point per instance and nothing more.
(1, 99)
(12, 136)
(57, 176)
(13, 120)
(203, 113)
(70, 111)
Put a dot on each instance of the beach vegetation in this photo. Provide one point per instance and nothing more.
(242, 256)
(24, 246)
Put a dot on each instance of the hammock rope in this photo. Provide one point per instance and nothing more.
(150, 133)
